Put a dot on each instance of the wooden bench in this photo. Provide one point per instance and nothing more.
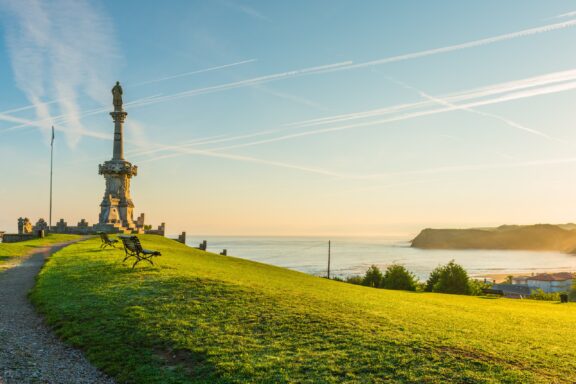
(106, 241)
(133, 248)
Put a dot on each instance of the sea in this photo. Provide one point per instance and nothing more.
(354, 255)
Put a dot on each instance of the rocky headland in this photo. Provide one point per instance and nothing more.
(539, 237)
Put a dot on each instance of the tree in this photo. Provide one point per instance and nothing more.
(398, 277)
(449, 278)
(453, 279)
(373, 277)
(433, 278)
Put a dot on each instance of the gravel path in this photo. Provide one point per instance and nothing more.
(29, 351)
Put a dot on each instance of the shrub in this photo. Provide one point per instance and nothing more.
(398, 277)
(355, 280)
(373, 277)
(539, 294)
(449, 278)
(476, 287)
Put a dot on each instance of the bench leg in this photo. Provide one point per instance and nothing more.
(137, 261)
(140, 259)
(128, 255)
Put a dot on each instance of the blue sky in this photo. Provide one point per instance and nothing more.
(294, 118)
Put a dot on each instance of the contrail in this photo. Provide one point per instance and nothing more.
(448, 169)
(506, 121)
(479, 167)
(208, 140)
(477, 93)
(156, 98)
(247, 82)
(194, 72)
(530, 87)
(63, 118)
(347, 65)
(470, 44)
(503, 98)
(28, 107)
(82, 131)
(185, 151)
(564, 15)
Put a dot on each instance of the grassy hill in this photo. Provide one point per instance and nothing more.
(198, 317)
(11, 251)
(540, 237)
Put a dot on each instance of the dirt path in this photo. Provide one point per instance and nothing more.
(29, 351)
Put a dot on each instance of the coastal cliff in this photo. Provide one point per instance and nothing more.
(539, 237)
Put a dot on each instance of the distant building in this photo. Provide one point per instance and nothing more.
(513, 291)
(521, 280)
(548, 282)
(551, 282)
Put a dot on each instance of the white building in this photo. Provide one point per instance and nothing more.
(551, 282)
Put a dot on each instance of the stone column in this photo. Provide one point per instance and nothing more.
(118, 116)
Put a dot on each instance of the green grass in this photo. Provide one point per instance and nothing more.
(11, 251)
(198, 317)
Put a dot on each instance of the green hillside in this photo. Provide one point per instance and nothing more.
(539, 237)
(203, 318)
(10, 251)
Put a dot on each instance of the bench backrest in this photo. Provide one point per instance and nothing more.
(104, 237)
(132, 243)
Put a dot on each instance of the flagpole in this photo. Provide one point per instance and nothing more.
(51, 164)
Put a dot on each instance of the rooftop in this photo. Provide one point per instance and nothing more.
(515, 289)
(560, 276)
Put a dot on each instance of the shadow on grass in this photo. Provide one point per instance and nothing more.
(489, 297)
(109, 311)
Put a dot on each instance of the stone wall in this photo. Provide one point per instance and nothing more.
(17, 237)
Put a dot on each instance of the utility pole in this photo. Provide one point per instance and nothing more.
(328, 258)
(51, 164)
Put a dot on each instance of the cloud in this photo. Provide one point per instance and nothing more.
(61, 50)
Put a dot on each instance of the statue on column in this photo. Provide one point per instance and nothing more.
(117, 96)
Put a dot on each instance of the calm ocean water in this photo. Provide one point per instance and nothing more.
(352, 256)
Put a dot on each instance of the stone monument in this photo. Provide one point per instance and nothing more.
(117, 208)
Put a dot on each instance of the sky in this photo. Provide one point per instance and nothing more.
(293, 118)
